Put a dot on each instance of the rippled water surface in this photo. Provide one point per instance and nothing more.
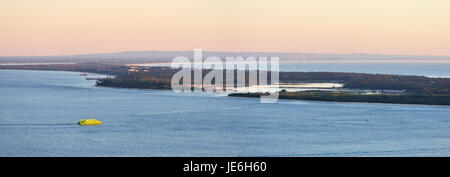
(39, 109)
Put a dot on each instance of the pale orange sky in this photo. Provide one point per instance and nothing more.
(61, 27)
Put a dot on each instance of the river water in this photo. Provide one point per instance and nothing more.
(39, 111)
(430, 69)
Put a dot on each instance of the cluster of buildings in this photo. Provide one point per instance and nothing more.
(138, 69)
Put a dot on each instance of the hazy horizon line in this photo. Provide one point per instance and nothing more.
(131, 51)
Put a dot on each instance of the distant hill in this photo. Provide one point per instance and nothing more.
(167, 56)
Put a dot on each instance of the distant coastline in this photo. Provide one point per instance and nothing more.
(387, 88)
(167, 57)
(18, 64)
(333, 96)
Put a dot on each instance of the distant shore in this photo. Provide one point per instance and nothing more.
(371, 88)
(333, 96)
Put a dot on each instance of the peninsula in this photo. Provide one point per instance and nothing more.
(385, 88)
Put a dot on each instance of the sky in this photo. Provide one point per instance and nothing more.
(66, 27)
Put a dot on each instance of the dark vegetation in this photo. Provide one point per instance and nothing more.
(356, 97)
(160, 78)
(103, 68)
(411, 84)
(147, 83)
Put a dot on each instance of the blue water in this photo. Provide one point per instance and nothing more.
(403, 68)
(39, 109)
(421, 69)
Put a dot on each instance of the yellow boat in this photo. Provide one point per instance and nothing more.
(89, 122)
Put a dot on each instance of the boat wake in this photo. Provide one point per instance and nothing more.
(37, 124)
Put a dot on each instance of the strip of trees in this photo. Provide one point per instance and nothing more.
(355, 97)
(161, 76)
